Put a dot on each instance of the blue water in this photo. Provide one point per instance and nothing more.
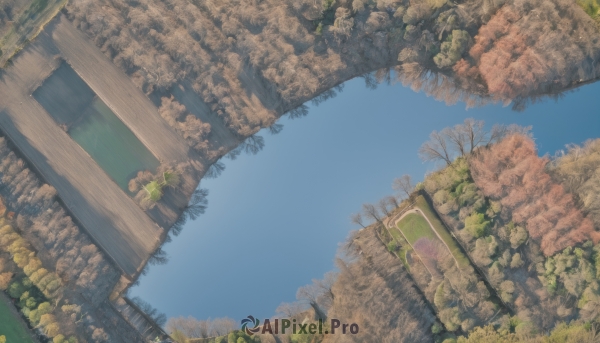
(275, 220)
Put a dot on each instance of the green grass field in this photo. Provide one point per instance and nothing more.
(12, 327)
(591, 7)
(422, 204)
(414, 226)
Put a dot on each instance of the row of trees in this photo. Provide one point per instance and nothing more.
(11, 241)
(33, 286)
(182, 328)
(63, 249)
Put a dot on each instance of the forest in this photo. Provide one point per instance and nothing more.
(249, 62)
(525, 225)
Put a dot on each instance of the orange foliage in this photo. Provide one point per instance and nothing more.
(512, 172)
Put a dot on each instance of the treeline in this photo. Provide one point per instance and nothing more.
(65, 255)
(375, 291)
(576, 332)
(577, 171)
(252, 64)
(187, 125)
(33, 285)
(534, 244)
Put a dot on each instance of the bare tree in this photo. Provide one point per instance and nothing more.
(497, 133)
(289, 310)
(392, 201)
(436, 148)
(474, 131)
(222, 326)
(371, 211)
(190, 327)
(403, 184)
(310, 294)
(325, 285)
(383, 206)
(357, 218)
(457, 138)
(500, 131)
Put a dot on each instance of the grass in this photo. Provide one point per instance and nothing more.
(591, 7)
(12, 327)
(444, 234)
(405, 247)
(414, 226)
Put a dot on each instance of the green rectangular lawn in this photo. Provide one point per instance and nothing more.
(439, 227)
(414, 226)
(12, 327)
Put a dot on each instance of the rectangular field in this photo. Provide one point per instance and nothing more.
(111, 218)
(441, 230)
(414, 227)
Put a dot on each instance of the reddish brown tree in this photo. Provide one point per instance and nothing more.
(512, 172)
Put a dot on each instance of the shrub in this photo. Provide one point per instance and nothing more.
(16, 289)
(476, 224)
(452, 49)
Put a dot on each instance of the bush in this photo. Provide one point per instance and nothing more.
(452, 49)
(16, 289)
(392, 246)
(476, 224)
